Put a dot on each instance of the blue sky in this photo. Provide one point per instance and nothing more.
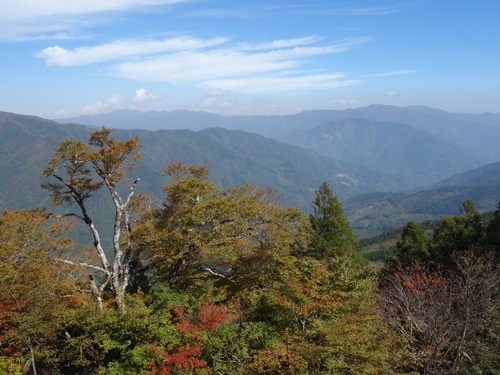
(62, 58)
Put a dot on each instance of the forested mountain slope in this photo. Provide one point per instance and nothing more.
(374, 213)
(27, 142)
(444, 143)
(476, 133)
(485, 175)
(396, 149)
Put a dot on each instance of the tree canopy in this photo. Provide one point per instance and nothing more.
(214, 280)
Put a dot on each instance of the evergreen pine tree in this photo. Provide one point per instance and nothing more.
(333, 234)
(413, 245)
(492, 239)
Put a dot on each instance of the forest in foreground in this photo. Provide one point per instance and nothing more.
(228, 281)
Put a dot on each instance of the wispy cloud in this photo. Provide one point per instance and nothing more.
(223, 13)
(247, 12)
(287, 6)
(59, 56)
(283, 43)
(224, 62)
(28, 19)
(279, 85)
(192, 67)
(32, 9)
(216, 63)
(393, 73)
(366, 11)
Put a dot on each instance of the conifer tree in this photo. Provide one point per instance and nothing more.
(492, 239)
(333, 234)
(457, 234)
(413, 245)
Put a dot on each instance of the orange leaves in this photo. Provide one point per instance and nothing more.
(278, 360)
(111, 156)
(238, 236)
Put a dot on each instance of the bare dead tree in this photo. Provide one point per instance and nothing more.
(439, 313)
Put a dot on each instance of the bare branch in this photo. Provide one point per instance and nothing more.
(68, 215)
(86, 265)
(219, 274)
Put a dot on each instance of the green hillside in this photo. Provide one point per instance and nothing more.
(374, 213)
(417, 145)
(486, 175)
(233, 157)
(416, 157)
(26, 143)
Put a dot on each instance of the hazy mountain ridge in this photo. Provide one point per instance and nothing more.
(232, 157)
(485, 175)
(395, 149)
(26, 143)
(476, 133)
(447, 143)
(376, 212)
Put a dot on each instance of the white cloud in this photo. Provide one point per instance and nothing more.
(199, 66)
(19, 10)
(110, 104)
(365, 11)
(279, 85)
(59, 56)
(215, 101)
(192, 67)
(269, 67)
(222, 13)
(342, 103)
(219, 93)
(28, 19)
(143, 95)
(283, 43)
(394, 73)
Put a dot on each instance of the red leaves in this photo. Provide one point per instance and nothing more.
(420, 280)
(188, 357)
(185, 358)
(207, 318)
(6, 308)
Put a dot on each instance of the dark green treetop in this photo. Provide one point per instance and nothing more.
(457, 234)
(414, 245)
(333, 233)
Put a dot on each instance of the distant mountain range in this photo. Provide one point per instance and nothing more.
(417, 145)
(233, 157)
(487, 175)
(373, 157)
(476, 133)
(409, 154)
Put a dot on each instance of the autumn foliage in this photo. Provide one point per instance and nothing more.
(188, 355)
(228, 281)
